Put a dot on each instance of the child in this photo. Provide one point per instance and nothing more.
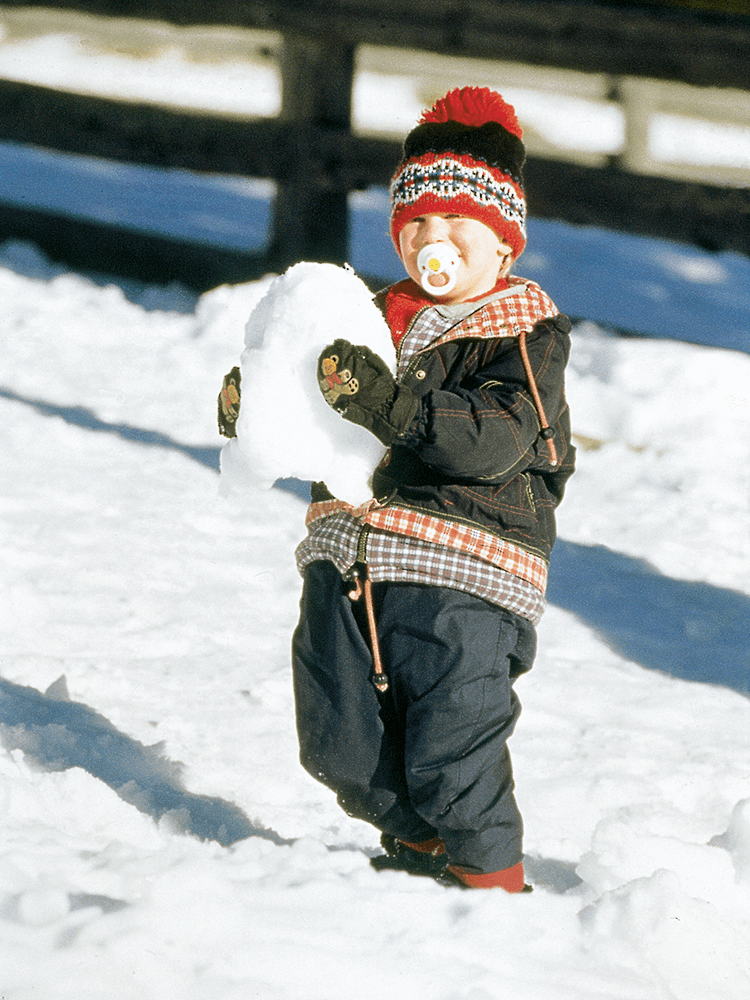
(432, 589)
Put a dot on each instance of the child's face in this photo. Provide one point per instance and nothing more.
(482, 257)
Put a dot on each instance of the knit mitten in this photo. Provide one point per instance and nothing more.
(359, 384)
(229, 403)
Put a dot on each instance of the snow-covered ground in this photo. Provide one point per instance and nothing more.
(159, 840)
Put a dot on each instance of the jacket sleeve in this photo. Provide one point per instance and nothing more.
(487, 427)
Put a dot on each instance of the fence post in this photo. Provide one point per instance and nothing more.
(310, 214)
(637, 106)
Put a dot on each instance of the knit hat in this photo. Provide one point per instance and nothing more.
(465, 155)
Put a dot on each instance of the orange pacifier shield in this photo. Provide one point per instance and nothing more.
(437, 264)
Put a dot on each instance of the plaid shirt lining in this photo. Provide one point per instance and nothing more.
(402, 559)
(519, 308)
(427, 327)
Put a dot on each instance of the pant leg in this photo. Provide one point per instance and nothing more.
(350, 738)
(452, 659)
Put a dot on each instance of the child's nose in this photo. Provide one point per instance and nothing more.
(434, 230)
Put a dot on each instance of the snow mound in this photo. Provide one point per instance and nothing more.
(737, 840)
(285, 428)
(685, 920)
(683, 943)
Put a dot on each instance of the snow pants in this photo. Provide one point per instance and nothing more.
(428, 757)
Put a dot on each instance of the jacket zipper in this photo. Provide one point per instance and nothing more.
(360, 556)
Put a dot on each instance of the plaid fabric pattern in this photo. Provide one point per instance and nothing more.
(470, 540)
(408, 560)
(517, 309)
(426, 328)
(515, 312)
(449, 177)
(403, 559)
(408, 523)
(334, 537)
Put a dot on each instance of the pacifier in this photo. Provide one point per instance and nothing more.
(434, 260)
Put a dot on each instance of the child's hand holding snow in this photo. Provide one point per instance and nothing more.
(358, 383)
(303, 309)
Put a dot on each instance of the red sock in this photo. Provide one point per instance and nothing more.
(434, 846)
(510, 879)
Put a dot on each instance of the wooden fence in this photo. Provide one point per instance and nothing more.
(315, 158)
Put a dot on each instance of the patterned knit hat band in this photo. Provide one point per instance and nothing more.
(466, 156)
(445, 183)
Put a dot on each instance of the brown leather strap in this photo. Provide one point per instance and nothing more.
(362, 588)
(547, 432)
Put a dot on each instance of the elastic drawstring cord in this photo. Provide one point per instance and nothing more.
(547, 434)
(364, 586)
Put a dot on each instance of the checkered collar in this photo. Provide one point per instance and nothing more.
(458, 311)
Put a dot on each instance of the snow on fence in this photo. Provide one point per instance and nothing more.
(315, 153)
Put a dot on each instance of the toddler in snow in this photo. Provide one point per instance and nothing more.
(419, 608)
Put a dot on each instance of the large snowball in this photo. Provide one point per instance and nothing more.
(285, 428)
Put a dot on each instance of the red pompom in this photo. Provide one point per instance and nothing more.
(473, 106)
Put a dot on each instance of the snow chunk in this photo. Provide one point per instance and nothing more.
(737, 840)
(285, 428)
(691, 949)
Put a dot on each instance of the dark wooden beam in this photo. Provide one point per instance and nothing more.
(281, 148)
(714, 218)
(311, 211)
(665, 41)
(315, 165)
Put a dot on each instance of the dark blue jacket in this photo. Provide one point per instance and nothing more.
(474, 452)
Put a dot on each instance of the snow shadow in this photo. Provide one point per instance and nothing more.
(27, 260)
(687, 629)
(80, 416)
(57, 734)
(550, 873)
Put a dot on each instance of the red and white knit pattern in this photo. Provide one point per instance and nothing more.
(449, 183)
(448, 177)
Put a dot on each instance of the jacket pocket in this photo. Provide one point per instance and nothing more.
(511, 504)
(528, 489)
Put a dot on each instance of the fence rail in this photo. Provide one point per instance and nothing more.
(667, 41)
(315, 158)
